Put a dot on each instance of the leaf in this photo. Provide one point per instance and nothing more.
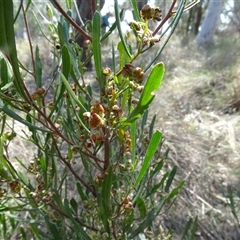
(158, 168)
(97, 55)
(186, 229)
(75, 99)
(128, 221)
(118, 21)
(158, 185)
(123, 57)
(5, 72)
(135, 9)
(38, 68)
(111, 29)
(152, 147)
(151, 127)
(53, 229)
(170, 178)
(25, 181)
(194, 228)
(153, 83)
(175, 191)
(74, 205)
(144, 120)
(148, 219)
(8, 45)
(141, 207)
(66, 62)
(105, 199)
(78, 228)
(16, 117)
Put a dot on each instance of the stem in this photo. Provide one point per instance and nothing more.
(53, 206)
(169, 14)
(70, 20)
(106, 150)
(29, 41)
(68, 165)
(93, 6)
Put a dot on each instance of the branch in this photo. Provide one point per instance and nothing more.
(169, 14)
(70, 20)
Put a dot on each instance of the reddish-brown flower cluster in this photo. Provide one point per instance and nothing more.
(127, 143)
(39, 93)
(95, 119)
(40, 195)
(127, 204)
(135, 74)
(148, 13)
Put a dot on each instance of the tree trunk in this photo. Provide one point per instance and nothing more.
(210, 21)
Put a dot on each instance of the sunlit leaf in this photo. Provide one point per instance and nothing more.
(152, 147)
(153, 83)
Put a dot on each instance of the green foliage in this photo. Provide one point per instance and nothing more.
(101, 146)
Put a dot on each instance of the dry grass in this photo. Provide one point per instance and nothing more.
(197, 109)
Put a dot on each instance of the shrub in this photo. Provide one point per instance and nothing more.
(98, 172)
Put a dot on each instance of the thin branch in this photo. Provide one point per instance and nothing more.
(68, 165)
(70, 20)
(29, 41)
(53, 206)
(169, 14)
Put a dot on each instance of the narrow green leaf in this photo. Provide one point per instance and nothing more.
(144, 119)
(128, 221)
(152, 147)
(3, 38)
(105, 196)
(61, 34)
(23, 233)
(97, 55)
(8, 45)
(5, 72)
(148, 219)
(118, 21)
(66, 62)
(141, 187)
(53, 229)
(35, 231)
(78, 228)
(158, 185)
(123, 57)
(175, 191)
(38, 68)
(74, 205)
(170, 178)
(69, 4)
(72, 94)
(153, 83)
(151, 127)
(111, 29)
(141, 207)
(194, 228)
(25, 181)
(157, 168)
(186, 229)
(135, 9)
(16, 117)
